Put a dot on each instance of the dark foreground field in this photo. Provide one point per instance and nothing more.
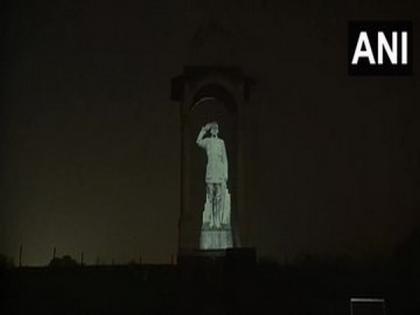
(208, 288)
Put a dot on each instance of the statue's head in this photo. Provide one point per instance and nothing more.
(214, 129)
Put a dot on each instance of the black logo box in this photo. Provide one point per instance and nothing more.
(372, 28)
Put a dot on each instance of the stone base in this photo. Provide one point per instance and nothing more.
(216, 239)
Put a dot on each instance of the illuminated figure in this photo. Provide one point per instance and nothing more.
(216, 214)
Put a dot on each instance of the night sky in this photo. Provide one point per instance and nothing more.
(90, 156)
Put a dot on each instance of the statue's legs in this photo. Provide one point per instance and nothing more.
(217, 234)
(210, 199)
(211, 192)
(215, 192)
(219, 204)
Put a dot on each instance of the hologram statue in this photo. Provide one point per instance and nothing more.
(216, 228)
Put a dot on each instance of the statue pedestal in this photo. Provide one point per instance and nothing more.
(216, 239)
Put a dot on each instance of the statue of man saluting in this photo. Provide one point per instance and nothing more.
(216, 213)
